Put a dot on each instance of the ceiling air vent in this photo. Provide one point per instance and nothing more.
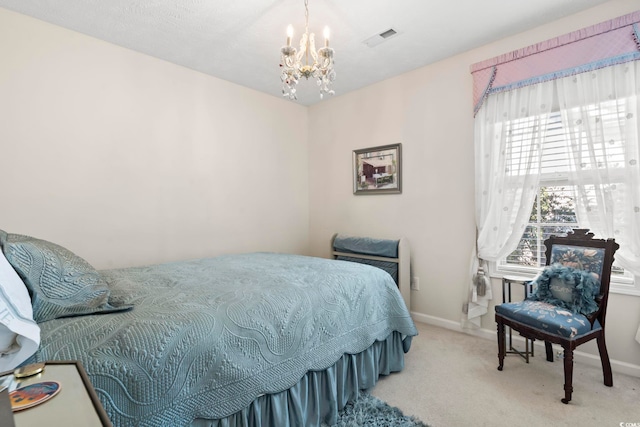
(390, 32)
(379, 38)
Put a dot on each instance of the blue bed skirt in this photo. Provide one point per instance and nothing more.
(318, 397)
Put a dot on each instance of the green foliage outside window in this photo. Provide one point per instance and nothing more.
(553, 212)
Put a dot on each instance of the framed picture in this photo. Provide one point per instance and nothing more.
(378, 170)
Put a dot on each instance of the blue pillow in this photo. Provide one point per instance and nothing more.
(567, 287)
(60, 283)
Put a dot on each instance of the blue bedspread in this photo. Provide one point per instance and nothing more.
(207, 337)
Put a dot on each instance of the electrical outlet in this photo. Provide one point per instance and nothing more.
(415, 283)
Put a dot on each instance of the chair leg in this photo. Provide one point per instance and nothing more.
(501, 345)
(549, 349)
(604, 359)
(568, 375)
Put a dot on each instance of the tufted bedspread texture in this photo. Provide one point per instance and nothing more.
(207, 337)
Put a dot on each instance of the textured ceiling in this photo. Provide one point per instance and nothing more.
(240, 40)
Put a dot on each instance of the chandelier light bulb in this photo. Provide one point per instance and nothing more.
(326, 34)
(289, 34)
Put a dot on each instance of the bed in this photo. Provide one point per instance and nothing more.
(246, 339)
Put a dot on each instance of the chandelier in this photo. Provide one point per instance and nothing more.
(293, 67)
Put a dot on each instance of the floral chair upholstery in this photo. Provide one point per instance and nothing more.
(569, 301)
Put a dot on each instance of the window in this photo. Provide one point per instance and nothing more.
(553, 213)
(554, 210)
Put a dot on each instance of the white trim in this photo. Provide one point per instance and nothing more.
(623, 285)
(579, 356)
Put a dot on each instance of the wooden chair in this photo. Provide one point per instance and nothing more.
(567, 307)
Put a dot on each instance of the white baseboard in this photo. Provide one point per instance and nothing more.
(579, 356)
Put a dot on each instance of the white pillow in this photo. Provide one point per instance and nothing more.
(19, 333)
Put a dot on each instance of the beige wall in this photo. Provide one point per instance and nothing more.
(127, 160)
(429, 111)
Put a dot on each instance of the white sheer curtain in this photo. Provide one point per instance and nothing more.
(509, 128)
(601, 111)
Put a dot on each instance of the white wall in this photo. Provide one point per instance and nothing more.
(429, 111)
(127, 160)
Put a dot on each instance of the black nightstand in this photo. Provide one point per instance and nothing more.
(506, 297)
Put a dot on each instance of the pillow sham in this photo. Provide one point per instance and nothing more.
(567, 287)
(19, 333)
(61, 283)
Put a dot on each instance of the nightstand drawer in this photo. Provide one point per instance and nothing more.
(76, 404)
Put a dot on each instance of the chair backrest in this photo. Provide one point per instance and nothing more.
(590, 259)
(578, 249)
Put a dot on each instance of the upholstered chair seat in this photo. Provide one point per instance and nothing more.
(548, 317)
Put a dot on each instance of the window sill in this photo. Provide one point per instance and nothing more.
(624, 285)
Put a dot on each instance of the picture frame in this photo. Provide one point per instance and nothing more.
(378, 170)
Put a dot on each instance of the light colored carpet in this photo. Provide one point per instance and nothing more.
(451, 379)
